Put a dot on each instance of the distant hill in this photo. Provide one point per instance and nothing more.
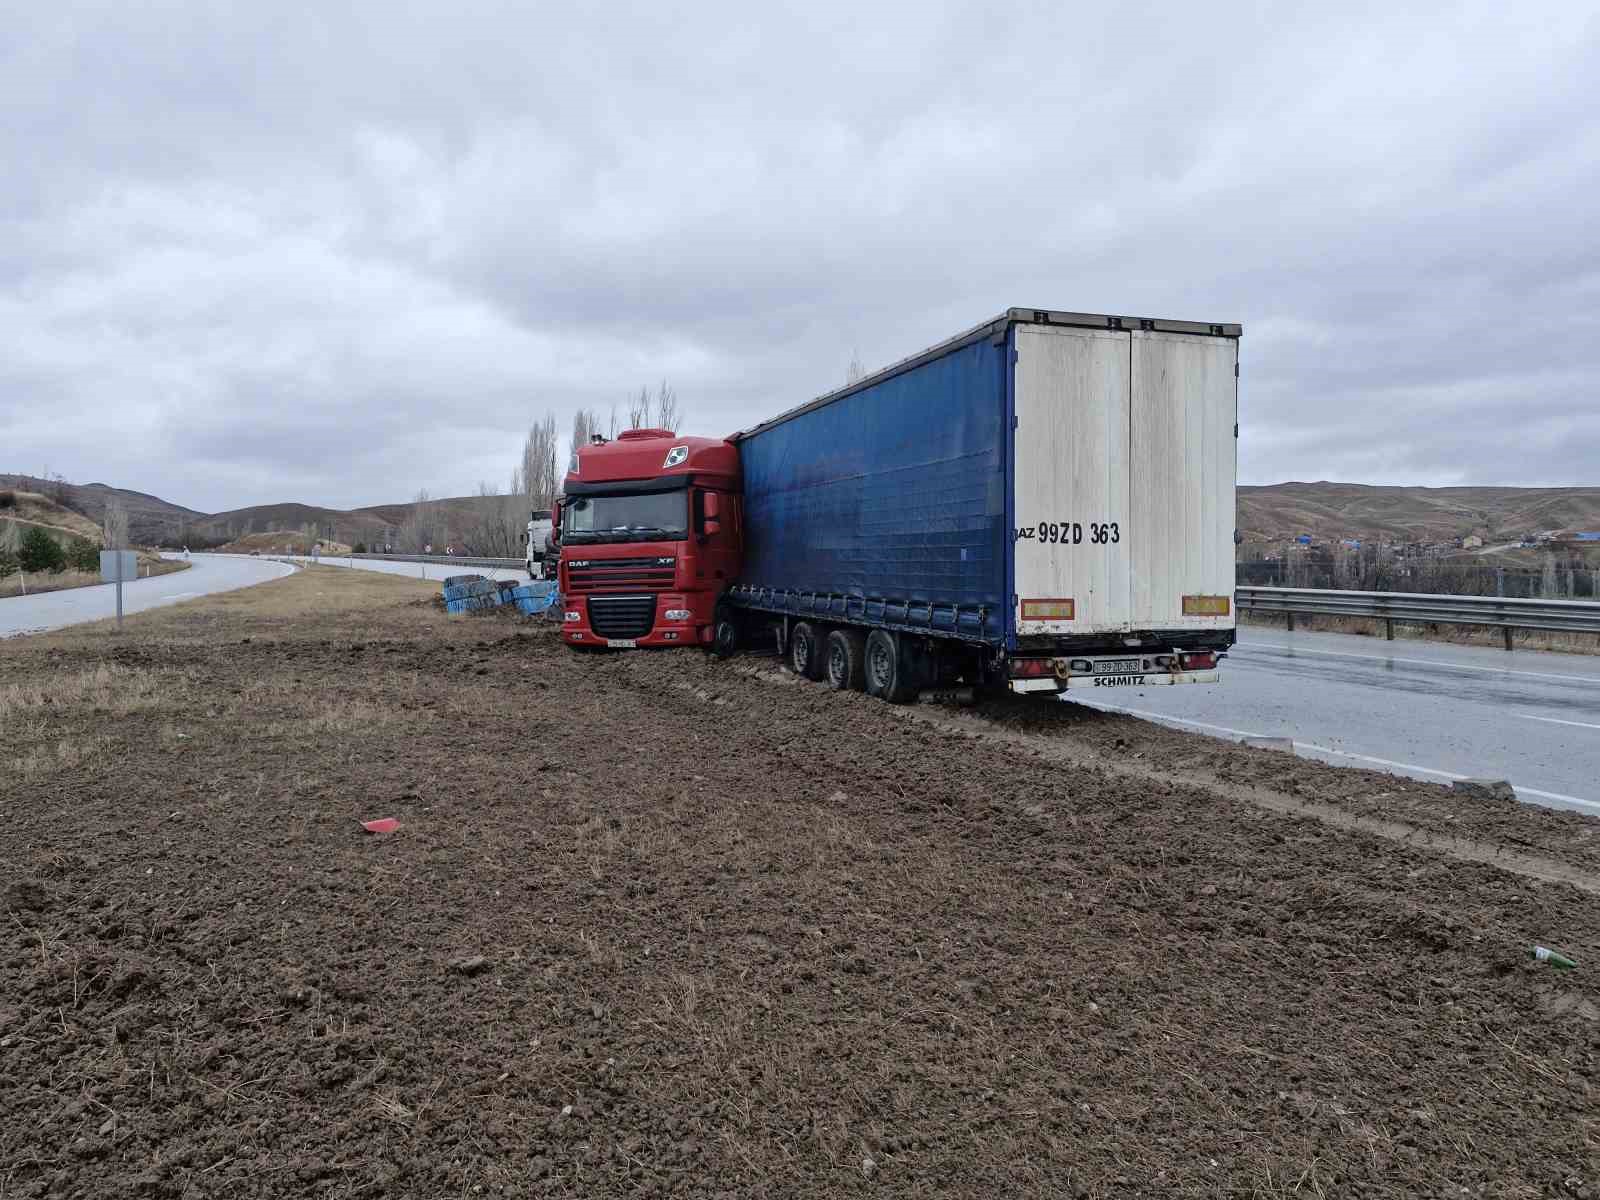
(33, 508)
(153, 521)
(146, 514)
(1267, 513)
(1278, 511)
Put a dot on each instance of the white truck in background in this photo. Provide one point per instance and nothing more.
(537, 549)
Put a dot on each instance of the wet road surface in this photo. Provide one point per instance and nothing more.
(1430, 710)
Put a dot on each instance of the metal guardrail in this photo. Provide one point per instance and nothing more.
(1414, 608)
(454, 560)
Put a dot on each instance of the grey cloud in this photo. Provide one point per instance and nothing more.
(341, 254)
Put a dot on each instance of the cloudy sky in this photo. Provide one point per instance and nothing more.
(338, 252)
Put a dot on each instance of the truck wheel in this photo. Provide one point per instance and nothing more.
(886, 669)
(724, 634)
(806, 654)
(847, 652)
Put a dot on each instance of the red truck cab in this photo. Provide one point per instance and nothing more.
(650, 533)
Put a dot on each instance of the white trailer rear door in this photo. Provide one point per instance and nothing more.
(1071, 540)
(1184, 466)
(1124, 480)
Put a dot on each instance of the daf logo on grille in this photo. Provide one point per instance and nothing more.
(676, 457)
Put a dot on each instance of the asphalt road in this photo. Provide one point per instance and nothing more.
(209, 573)
(435, 572)
(1426, 709)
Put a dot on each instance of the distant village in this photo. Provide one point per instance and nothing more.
(1550, 564)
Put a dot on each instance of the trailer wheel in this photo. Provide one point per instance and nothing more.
(886, 668)
(724, 633)
(806, 654)
(847, 652)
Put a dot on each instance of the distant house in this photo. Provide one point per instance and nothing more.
(1471, 542)
(1592, 536)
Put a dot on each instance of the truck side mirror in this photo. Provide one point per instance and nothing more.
(712, 527)
(712, 507)
(524, 538)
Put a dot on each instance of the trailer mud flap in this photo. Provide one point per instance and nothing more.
(1151, 679)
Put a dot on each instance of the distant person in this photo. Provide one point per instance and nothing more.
(428, 549)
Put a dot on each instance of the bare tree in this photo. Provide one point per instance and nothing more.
(537, 477)
(498, 521)
(585, 424)
(668, 413)
(423, 527)
(114, 526)
(660, 411)
(856, 371)
(639, 410)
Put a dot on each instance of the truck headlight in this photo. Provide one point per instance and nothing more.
(676, 614)
(572, 617)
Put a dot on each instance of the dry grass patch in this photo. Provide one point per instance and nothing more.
(106, 688)
(61, 755)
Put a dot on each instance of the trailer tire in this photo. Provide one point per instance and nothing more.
(886, 668)
(806, 654)
(846, 659)
(725, 633)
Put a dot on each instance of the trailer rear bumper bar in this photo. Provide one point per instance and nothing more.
(1148, 679)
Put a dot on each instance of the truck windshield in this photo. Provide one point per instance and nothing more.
(651, 516)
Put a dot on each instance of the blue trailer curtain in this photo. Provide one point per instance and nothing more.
(896, 491)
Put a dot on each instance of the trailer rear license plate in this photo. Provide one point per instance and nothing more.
(623, 643)
(1118, 666)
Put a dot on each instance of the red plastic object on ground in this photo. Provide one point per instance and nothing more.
(381, 825)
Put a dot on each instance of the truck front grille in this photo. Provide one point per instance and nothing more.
(585, 575)
(622, 616)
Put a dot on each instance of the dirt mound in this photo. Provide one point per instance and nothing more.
(739, 935)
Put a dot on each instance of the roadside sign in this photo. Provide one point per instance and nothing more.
(119, 566)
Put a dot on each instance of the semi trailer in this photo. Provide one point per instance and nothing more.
(1042, 503)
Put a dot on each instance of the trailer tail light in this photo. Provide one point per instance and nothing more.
(1032, 668)
(1047, 610)
(1207, 606)
(1202, 660)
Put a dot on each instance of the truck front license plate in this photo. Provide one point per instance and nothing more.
(1117, 666)
(622, 643)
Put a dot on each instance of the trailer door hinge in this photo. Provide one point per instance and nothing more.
(1015, 423)
(1236, 370)
(1236, 429)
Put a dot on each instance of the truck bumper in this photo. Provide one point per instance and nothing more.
(1078, 682)
(693, 629)
(1154, 679)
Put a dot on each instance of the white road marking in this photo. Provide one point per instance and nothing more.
(1163, 718)
(1557, 721)
(1421, 662)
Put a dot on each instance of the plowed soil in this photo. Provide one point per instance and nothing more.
(653, 924)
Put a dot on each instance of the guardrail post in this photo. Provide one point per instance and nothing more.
(1291, 621)
(1507, 631)
(1388, 629)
